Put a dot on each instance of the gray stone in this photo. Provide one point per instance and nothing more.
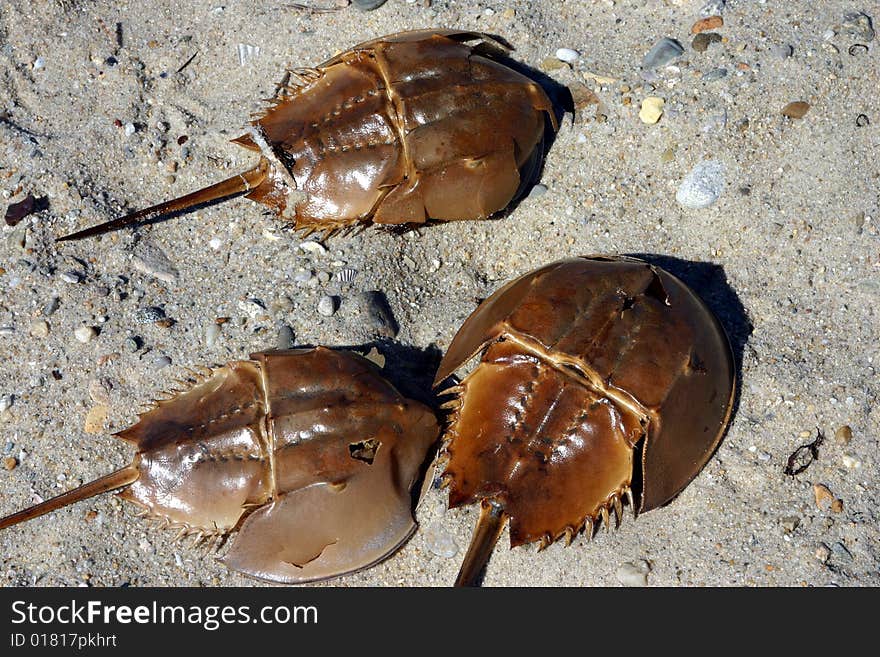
(663, 52)
(702, 186)
(633, 573)
(713, 8)
(439, 541)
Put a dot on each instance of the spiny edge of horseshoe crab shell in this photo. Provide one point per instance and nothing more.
(284, 538)
(662, 475)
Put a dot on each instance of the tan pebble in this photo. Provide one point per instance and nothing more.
(709, 23)
(825, 498)
(668, 155)
(376, 357)
(91, 515)
(95, 418)
(552, 64)
(796, 109)
(10, 462)
(822, 494)
(582, 96)
(509, 13)
(98, 392)
(39, 328)
(823, 553)
(652, 109)
(85, 334)
(843, 435)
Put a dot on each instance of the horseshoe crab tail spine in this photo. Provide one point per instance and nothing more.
(238, 184)
(112, 481)
(486, 533)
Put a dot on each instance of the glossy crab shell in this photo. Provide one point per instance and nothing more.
(601, 379)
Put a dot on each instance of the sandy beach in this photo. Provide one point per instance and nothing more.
(108, 107)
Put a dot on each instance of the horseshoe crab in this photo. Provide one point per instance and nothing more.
(602, 379)
(402, 129)
(308, 455)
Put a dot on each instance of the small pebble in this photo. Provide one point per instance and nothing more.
(10, 463)
(440, 542)
(312, 247)
(8, 447)
(6, 402)
(132, 344)
(51, 306)
(706, 24)
(823, 553)
(303, 277)
(582, 96)
(702, 186)
(129, 129)
(95, 419)
(215, 243)
(247, 52)
(843, 435)
(652, 110)
(796, 109)
(99, 391)
(790, 523)
(377, 314)
(858, 26)
(286, 338)
(212, 332)
(663, 52)
(161, 361)
(783, 51)
(39, 63)
(85, 334)
(151, 260)
(71, 277)
(323, 277)
(374, 356)
(368, 5)
(39, 328)
(862, 120)
(327, 306)
(634, 573)
(537, 190)
(713, 8)
(567, 55)
(703, 40)
(714, 74)
(826, 499)
(551, 64)
(149, 315)
(850, 462)
(841, 553)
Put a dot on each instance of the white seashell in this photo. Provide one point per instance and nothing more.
(315, 248)
(346, 275)
(246, 52)
(567, 55)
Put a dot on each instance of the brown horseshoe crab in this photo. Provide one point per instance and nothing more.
(402, 129)
(309, 455)
(601, 379)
